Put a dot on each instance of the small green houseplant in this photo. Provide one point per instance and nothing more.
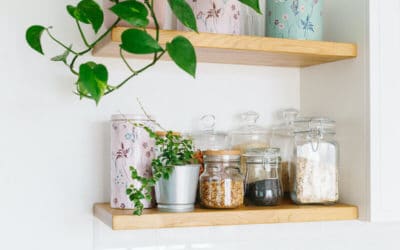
(174, 151)
(91, 77)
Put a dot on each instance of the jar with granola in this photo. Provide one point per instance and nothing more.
(316, 152)
(222, 184)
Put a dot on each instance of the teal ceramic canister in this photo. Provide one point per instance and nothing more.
(295, 19)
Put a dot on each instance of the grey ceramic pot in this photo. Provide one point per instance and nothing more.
(178, 193)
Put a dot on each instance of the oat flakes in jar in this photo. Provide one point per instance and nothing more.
(222, 184)
(316, 157)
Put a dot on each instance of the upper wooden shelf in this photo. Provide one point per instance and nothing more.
(248, 50)
(152, 218)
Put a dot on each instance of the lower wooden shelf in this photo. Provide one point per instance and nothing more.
(287, 212)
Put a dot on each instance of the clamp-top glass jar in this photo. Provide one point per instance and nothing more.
(221, 184)
(263, 182)
(283, 138)
(316, 178)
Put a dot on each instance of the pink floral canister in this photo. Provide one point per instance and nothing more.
(216, 16)
(130, 146)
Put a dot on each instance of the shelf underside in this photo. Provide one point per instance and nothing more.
(246, 50)
(285, 213)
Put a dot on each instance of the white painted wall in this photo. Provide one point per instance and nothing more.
(54, 148)
(340, 91)
(385, 89)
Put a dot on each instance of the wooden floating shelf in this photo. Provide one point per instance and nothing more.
(152, 219)
(248, 50)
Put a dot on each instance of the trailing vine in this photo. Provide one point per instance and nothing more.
(92, 78)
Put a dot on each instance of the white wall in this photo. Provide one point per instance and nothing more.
(385, 122)
(340, 91)
(54, 148)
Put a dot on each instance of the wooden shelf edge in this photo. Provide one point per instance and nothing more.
(286, 213)
(247, 50)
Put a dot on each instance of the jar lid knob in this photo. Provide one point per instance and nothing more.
(250, 117)
(207, 122)
(289, 115)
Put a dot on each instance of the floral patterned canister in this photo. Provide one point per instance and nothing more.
(216, 16)
(130, 146)
(295, 19)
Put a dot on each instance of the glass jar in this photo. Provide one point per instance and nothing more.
(250, 135)
(316, 178)
(263, 182)
(221, 184)
(208, 138)
(283, 138)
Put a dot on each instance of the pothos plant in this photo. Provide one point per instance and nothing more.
(173, 151)
(91, 77)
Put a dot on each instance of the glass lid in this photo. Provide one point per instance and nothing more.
(250, 126)
(261, 156)
(208, 138)
(291, 122)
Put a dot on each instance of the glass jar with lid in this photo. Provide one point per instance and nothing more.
(208, 138)
(249, 136)
(263, 182)
(222, 184)
(283, 138)
(316, 152)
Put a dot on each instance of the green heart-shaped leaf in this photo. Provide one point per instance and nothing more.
(135, 13)
(184, 13)
(88, 12)
(33, 37)
(75, 13)
(183, 54)
(93, 80)
(254, 4)
(93, 12)
(139, 42)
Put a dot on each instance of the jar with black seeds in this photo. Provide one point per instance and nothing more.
(263, 178)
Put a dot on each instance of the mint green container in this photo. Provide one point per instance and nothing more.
(295, 19)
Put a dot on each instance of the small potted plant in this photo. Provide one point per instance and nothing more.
(175, 175)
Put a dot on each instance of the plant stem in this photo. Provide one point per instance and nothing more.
(153, 15)
(125, 61)
(157, 26)
(71, 65)
(135, 74)
(149, 117)
(60, 43)
(105, 33)
(82, 34)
